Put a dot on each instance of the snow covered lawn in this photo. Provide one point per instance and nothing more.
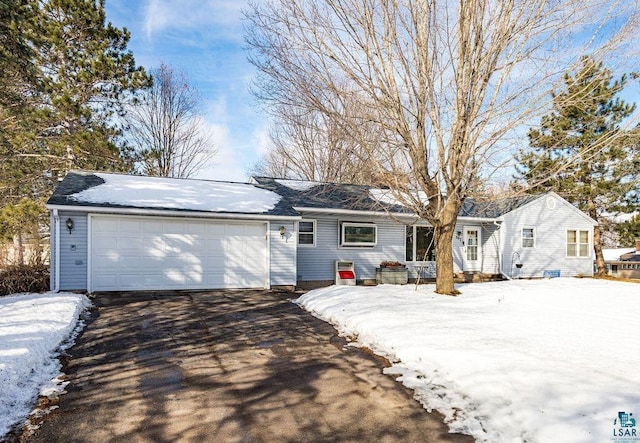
(527, 360)
(33, 327)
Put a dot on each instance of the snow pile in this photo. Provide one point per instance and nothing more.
(32, 329)
(534, 361)
(171, 193)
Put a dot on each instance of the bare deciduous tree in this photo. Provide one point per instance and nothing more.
(309, 146)
(166, 129)
(447, 85)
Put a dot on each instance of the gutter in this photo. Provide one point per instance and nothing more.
(56, 274)
(353, 212)
(498, 224)
(171, 213)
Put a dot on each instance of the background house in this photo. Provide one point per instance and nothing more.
(119, 232)
(624, 262)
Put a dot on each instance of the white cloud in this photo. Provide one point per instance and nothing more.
(226, 165)
(163, 15)
(261, 139)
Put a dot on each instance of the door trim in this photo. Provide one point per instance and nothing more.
(472, 265)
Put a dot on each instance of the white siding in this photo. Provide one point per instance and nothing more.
(550, 222)
(318, 263)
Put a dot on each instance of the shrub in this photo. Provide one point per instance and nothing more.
(26, 278)
(391, 264)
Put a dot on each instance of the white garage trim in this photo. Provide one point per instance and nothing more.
(95, 210)
(157, 253)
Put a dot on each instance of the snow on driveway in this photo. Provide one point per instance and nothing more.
(528, 360)
(33, 327)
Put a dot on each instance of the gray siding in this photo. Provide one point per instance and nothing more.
(549, 253)
(73, 251)
(318, 263)
(282, 254)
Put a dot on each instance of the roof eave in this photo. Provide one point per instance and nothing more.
(170, 212)
(353, 212)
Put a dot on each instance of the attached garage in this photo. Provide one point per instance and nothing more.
(113, 232)
(153, 253)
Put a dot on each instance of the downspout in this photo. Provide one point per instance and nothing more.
(498, 225)
(56, 274)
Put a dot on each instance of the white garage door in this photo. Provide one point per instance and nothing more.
(138, 253)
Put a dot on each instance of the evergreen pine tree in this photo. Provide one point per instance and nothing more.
(63, 83)
(580, 151)
(83, 74)
(86, 73)
(628, 231)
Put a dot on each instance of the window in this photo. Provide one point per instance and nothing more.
(358, 234)
(420, 245)
(307, 232)
(528, 239)
(577, 243)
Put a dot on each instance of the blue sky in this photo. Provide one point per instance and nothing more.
(204, 39)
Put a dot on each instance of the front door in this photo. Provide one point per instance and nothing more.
(472, 251)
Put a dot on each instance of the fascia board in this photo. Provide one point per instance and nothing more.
(170, 213)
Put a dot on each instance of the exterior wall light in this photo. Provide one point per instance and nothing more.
(69, 224)
(282, 231)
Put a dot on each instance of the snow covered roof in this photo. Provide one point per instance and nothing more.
(130, 191)
(262, 196)
(614, 254)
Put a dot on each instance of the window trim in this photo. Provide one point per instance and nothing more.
(414, 248)
(578, 243)
(343, 244)
(313, 233)
(523, 238)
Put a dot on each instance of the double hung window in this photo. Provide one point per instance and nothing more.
(577, 243)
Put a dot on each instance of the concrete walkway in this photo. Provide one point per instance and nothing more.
(226, 366)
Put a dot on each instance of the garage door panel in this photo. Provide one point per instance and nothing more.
(130, 281)
(129, 262)
(104, 226)
(216, 230)
(130, 226)
(103, 243)
(152, 226)
(152, 280)
(132, 252)
(171, 227)
(213, 244)
(106, 261)
(195, 229)
(129, 243)
(105, 281)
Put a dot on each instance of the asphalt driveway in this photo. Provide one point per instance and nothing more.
(226, 366)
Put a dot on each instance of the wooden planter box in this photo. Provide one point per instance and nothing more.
(392, 276)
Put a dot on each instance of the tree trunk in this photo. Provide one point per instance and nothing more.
(443, 231)
(18, 249)
(597, 238)
(597, 247)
